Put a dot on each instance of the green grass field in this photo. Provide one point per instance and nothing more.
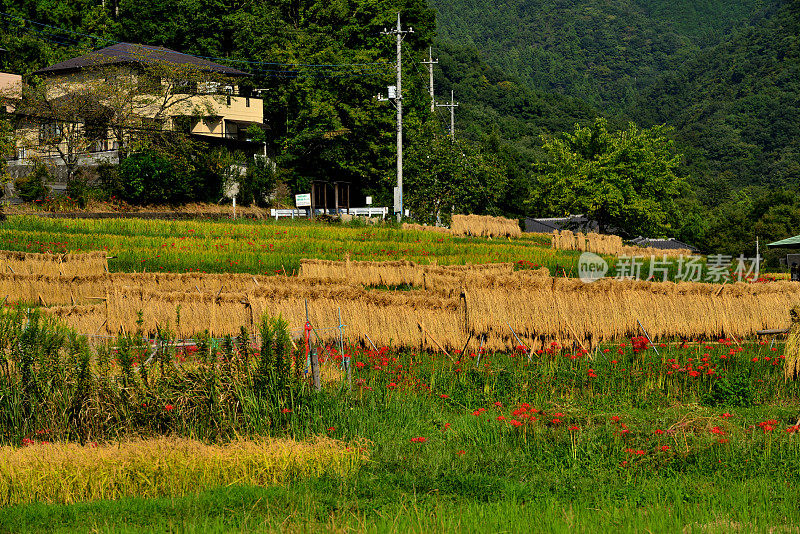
(265, 247)
(694, 437)
(382, 501)
(697, 437)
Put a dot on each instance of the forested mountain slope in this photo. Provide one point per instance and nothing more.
(736, 106)
(602, 51)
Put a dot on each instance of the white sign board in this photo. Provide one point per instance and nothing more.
(392, 90)
(303, 201)
(230, 189)
(369, 201)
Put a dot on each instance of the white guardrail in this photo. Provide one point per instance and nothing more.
(303, 212)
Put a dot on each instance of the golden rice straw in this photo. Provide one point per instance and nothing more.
(540, 309)
(395, 273)
(791, 368)
(484, 226)
(68, 264)
(70, 290)
(165, 466)
(607, 244)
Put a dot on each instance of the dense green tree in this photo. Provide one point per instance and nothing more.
(625, 180)
(447, 176)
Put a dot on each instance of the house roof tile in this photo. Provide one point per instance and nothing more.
(135, 53)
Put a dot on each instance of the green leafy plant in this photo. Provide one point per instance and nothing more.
(731, 390)
(31, 186)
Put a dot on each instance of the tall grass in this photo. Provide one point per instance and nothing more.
(53, 387)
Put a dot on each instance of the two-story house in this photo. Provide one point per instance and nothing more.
(82, 111)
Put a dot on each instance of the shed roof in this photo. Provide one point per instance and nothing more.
(789, 242)
(662, 243)
(548, 224)
(121, 53)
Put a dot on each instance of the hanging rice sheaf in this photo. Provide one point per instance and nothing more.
(68, 264)
(484, 226)
(398, 273)
(607, 244)
(453, 303)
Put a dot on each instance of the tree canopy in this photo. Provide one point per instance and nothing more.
(626, 180)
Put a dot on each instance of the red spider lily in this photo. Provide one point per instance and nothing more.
(418, 440)
(615, 419)
(461, 453)
(168, 407)
(573, 427)
(443, 396)
(768, 426)
(726, 415)
(514, 422)
(658, 431)
(446, 426)
(391, 385)
(664, 448)
(717, 430)
(501, 418)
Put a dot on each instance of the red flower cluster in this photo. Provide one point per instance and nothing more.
(769, 425)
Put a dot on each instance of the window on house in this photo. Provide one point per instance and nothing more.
(184, 123)
(96, 129)
(186, 88)
(50, 132)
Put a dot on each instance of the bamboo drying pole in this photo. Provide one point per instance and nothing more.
(647, 336)
(434, 340)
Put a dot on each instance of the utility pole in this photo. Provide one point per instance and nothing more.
(452, 105)
(430, 63)
(396, 95)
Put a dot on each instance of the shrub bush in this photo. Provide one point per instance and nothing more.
(31, 187)
(149, 177)
(258, 183)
